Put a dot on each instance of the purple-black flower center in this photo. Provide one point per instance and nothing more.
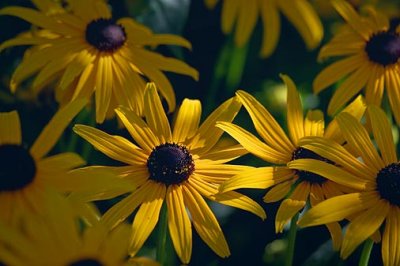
(105, 35)
(302, 153)
(86, 262)
(388, 183)
(170, 163)
(17, 167)
(384, 48)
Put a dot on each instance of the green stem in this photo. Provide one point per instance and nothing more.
(292, 240)
(366, 252)
(162, 236)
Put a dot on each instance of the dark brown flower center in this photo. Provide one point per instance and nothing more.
(86, 262)
(302, 153)
(17, 167)
(384, 48)
(170, 163)
(388, 183)
(105, 35)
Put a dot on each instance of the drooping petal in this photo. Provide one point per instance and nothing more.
(246, 21)
(271, 27)
(338, 208)
(363, 226)
(147, 216)
(390, 241)
(278, 192)
(289, 207)
(205, 222)
(392, 80)
(60, 162)
(314, 124)
(179, 224)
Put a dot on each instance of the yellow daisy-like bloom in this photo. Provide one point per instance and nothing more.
(279, 150)
(243, 14)
(25, 174)
(371, 51)
(55, 238)
(88, 51)
(179, 167)
(377, 177)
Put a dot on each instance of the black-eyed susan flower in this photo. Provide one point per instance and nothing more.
(377, 177)
(55, 238)
(87, 50)
(369, 48)
(26, 173)
(279, 149)
(241, 16)
(178, 166)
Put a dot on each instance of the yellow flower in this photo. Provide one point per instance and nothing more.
(279, 149)
(376, 176)
(26, 173)
(55, 238)
(178, 166)
(88, 51)
(243, 14)
(370, 49)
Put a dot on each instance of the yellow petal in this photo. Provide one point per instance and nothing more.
(179, 224)
(289, 207)
(246, 21)
(208, 134)
(356, 109)
(390, 241)
(358, 138)
(224, 155)
(336, 234)
(330, 172)
(336, 71)
(115, 147)
(10, 132)
(147, 216)
(104, 85)
(308, 24)
(230, 11)
(294, 110)
(350, 15)
(205, 222)
(339, 155)
(262, 178)
(265, 124)
(314, 123)
(338, 208)
(60, 162)
(240, 201)
(363, 226)
(188, 120)
(155, 115)
(55, 128)
(271, 27)
(138, 129)
(121, 210)
(350, 87)
(392, 80)
(382, 131)
(376, 85)
(278, 192)
(254, 145)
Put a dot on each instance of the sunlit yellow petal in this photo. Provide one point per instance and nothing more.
(187, 120)
(390, 240)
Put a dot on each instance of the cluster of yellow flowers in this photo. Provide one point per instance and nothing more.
(333, 173)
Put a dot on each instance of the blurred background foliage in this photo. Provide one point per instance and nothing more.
(223, 69)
